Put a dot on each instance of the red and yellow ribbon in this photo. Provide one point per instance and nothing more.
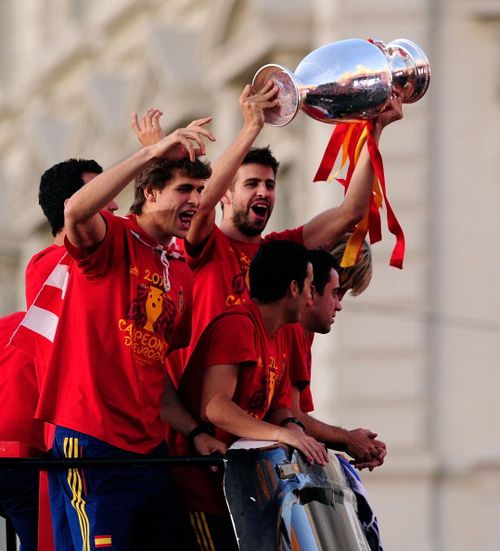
(349, 139)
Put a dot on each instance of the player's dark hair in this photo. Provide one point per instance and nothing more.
(322, 262)
(274, 267)
(59, 183)
(158, 173)
(262, 156)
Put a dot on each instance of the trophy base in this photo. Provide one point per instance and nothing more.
(288, 95)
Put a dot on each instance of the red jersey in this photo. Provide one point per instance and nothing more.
(236, 337)
(298, 344)
(220, 279)
(18, 390)
(126, 306)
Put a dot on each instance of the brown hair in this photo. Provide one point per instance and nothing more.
(158, 173)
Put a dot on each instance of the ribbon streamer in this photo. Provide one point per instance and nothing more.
(349, 139)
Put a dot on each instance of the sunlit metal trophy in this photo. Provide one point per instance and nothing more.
(347, 81)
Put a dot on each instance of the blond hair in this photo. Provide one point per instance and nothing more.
(354, 278)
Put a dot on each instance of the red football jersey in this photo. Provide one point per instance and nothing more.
(236, 337)
(220, 272)
(126, 306)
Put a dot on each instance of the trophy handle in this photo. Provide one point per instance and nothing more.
(288, 95)
(410, 68)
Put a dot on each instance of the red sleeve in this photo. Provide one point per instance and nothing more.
(38, 270)
(110, 250)
(197, 255)
(306, 400)
(295, 235)
(231, 341)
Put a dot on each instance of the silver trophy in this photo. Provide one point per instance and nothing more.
(347, 81)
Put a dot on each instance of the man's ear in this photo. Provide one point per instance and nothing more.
(226, 199)
(150, 193)
(314, 292)
(293, 288)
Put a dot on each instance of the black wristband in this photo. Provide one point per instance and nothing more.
(287, 420)
(199, 429)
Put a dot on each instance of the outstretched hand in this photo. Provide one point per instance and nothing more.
(184, 142)
(148, 130)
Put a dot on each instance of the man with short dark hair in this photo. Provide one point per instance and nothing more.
(330, 283)
(21, 374)
(57, 184)
(148, 131)
(237, 378)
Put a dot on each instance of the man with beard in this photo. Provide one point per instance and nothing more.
(148, 132)
(220, 256)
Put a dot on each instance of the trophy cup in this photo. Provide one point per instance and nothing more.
(347, 81)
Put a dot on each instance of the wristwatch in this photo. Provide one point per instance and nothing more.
(202, 428)
(287, 420)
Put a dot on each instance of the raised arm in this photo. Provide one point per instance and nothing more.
(84, 226)
(224, 168)
(326, 229)
(217, 407)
